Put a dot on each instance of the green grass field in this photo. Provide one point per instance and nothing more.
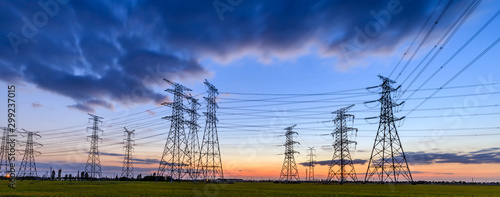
(116, 188)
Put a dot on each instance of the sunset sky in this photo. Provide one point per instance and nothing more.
(275, 64)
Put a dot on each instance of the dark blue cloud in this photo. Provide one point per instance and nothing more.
(135, 160)
(103, 52)
(484, 156)
(329, 162)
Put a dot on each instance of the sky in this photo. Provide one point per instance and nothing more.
(275, 64)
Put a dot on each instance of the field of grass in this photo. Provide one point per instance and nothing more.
(116, 188)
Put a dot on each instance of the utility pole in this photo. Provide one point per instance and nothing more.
(311, 155)
(194, 146)
(210, 163)
(175, 158)
(93, 167)
(342, 154)
(128, 168)
(388, 160)
(4, 152)
(28, 165)
(289, 170)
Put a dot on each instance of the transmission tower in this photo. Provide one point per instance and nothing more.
(210, 163)
(342, 155)
(194, 146)
(311, 155)
(128, 168)
(93, 167)
(4, 152)
(28, 165)
(388, 160)
(176, 157)
(289, 170)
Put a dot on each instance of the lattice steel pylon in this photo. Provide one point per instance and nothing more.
(210, 162)
(175, 157)
(388, 160)
(194, 146)
(311, 164)
(342, 155)
(93, 166)
(128, 168)
(28, 165)
(4, 152)
(289, 171)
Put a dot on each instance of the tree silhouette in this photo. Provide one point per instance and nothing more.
(53, 176)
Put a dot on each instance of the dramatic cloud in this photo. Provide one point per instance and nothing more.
(484, 156)
(103, 52)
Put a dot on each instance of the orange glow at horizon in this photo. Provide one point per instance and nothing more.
(270, 167)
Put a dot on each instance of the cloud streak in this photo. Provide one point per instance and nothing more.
(484, 156)
(135, 160)
(329, 162)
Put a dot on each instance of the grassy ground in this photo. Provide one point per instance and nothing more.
(112, 188)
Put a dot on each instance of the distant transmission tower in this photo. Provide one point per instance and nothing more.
(4, 152)
(311, 155)
(128, 168)
(289, 170)
(28, 165)
(342, 155)
(93, 167)
(194, 146)
(175, 158)
(210, 163)
(388, 160)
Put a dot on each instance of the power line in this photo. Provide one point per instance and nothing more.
(425, 38)
(448, 35)
(415, 38)
(456, 53)
(460, 72)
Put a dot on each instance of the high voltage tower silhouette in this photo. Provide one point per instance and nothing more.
(210, 163)
(175, 157)
(342, 155)
(289, 170)
(194, 146)
(4, 152)
(311, 155)
(28, 165)
(388, 160)
(128, 168)
(93, 167)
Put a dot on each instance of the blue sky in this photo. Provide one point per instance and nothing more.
(108, 58)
